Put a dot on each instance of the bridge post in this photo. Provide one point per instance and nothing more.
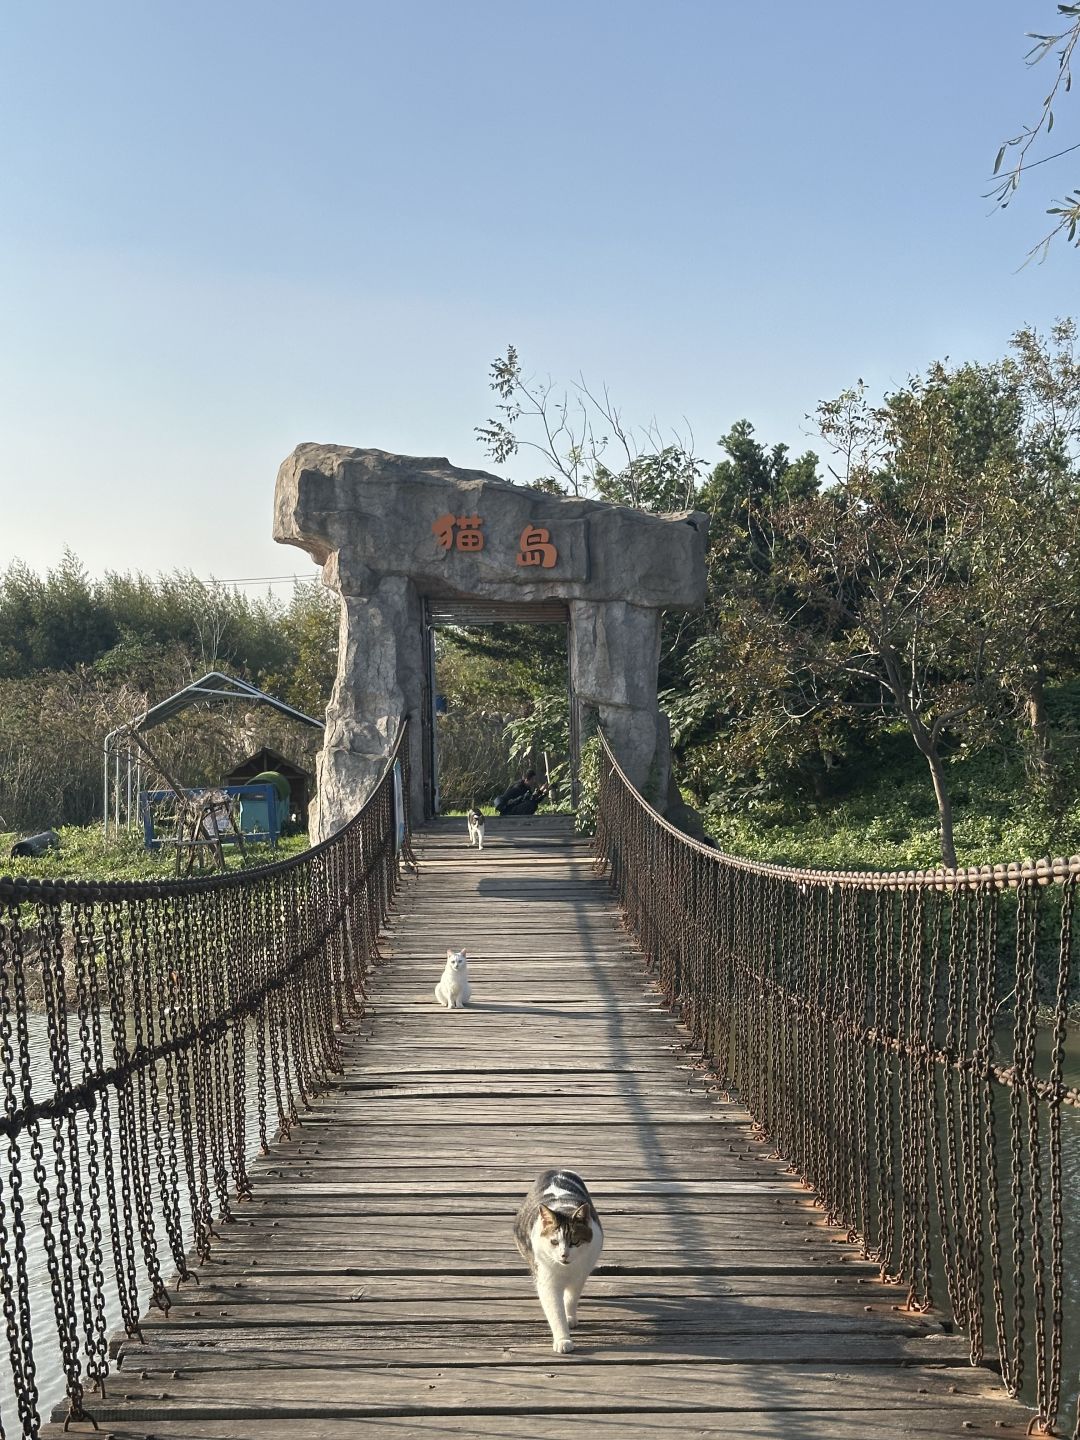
(380, 679)
(615, 655)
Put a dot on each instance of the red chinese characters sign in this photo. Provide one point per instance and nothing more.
(466, 532)
(535, 547)
(460, 532)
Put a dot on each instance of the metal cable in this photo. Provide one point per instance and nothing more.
(163, 1005)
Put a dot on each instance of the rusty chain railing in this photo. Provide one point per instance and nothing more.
(177, 1022)
(903, 1041)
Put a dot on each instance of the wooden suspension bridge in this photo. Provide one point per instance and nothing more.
(370, 1286)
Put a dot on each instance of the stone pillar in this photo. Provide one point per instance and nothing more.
(615, 655)
(380, 677)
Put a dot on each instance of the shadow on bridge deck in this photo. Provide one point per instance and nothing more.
(372, 1287)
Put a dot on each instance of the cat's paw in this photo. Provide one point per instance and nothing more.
(563, 1346)
(571, 1321)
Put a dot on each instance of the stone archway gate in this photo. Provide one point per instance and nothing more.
(397, 535)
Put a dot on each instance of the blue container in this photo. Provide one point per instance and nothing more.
(258, 813)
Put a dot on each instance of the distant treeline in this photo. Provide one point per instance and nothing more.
(80, 655)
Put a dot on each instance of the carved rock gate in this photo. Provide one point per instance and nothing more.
(401, 538)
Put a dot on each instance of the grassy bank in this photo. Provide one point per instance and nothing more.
(885, 818)
(85, 854)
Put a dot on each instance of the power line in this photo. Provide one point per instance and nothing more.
(262, 580)
(1056, 156)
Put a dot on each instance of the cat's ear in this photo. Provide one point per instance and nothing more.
(548, 1219)
(582, 1215)
(449, 954)
(464, 954)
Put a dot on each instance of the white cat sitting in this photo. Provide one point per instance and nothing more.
(453, 988)
(558, 1233)
(476, 829)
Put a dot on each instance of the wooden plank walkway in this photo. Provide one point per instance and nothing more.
(372, 1287)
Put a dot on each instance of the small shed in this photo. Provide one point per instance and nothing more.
(267, 759)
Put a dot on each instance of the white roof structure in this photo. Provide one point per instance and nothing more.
(122, 760)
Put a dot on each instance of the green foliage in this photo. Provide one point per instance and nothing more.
(914, 588)
(498, 667)
(51, 623)
(589, 797)
(132, 627)
(736, 711)
(886, 818)
(661, 482)
(543, 732)
(507, 381)
(507, 703)
(309, 639)
(746, 487)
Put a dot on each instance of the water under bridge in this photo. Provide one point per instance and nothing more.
(825, 1189)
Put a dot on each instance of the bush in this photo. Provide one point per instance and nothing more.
(886, 819)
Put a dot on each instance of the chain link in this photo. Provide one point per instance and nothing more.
(151, 994)
(863, 1020)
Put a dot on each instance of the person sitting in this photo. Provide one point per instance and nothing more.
(523, 796)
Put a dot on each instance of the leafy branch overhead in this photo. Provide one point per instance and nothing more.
(584, 444)
(1065, 213)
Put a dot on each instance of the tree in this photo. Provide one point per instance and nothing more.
(309, 635)
(1029, 563)
(576, 432)
(507, 704)
(837, 611)
(741, 718)
(943, 556)
(743, 493)
(65, 619)
(880, 557)
(1066, 212)
(52, 622)
(1013, 428)
(663, 482)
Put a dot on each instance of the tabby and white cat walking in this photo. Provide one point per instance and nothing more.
(453, 989)
(558, 1232)
(476, 829)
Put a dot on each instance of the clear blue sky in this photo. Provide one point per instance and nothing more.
(230, 227)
